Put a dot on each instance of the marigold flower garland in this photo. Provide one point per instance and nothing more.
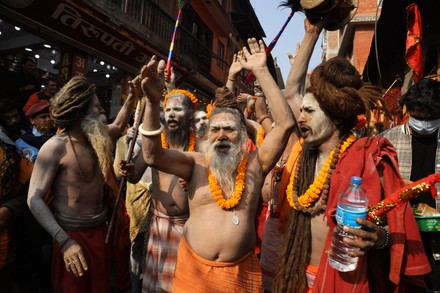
(217, 193)
(260, 136)
(191, 144)
(4, 243)
(183, 92)
(209, 109)
(321, 183)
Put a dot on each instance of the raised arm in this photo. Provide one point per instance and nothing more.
(116, 128)
(233, 71)
(274, 144)
(171, 84)
(296, 79)
(166, 160)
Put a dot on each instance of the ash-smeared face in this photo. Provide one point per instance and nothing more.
(176, 114)
(315, 126)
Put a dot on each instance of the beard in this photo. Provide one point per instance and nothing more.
(177, 136)
(102, 144)
(201, 131)
(45, 128)
(223, 165)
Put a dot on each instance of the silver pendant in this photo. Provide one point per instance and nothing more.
(235, 220)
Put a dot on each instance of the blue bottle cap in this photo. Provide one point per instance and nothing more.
(356, 180)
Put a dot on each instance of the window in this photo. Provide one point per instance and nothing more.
(220, 54)
(195, 29)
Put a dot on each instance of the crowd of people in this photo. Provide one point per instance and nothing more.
(238, 197)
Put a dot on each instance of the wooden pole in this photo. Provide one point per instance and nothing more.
(138, 116)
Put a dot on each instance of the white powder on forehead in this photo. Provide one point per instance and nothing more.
(223, 123)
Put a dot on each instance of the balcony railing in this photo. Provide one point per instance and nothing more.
(156, 20)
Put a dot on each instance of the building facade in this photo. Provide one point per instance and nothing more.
(109, 40)
(353, 41)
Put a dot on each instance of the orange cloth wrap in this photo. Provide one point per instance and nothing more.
(283, 207)
(198, 275)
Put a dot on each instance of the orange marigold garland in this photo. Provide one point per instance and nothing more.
(4, 243)
(191, 144)
(183, 92)
(217, 193)
(260, 136)
(314, 191)
(209, 109)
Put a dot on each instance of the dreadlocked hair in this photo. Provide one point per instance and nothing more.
(225, 101)
(295, 255)
(224, 98)
(72, 101)
(341, 94)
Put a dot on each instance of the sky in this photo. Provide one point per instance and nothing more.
(272, 18)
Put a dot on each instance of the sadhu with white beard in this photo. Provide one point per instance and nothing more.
(224, 183)
(75, 165)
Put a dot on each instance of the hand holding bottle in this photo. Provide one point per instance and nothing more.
(370, 235)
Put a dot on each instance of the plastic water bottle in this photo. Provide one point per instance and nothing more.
(352, 204)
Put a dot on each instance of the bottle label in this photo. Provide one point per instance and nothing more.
(348, 218)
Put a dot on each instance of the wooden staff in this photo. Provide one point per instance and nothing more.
(140, 108)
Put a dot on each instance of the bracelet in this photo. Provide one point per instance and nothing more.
(231, 79)
(60, 245)
(64, 237)
(387, 239)
(263, 118)
(150, 133)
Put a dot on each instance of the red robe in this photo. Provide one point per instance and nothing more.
(395, 269)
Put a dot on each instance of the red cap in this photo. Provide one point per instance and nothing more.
(37, 108)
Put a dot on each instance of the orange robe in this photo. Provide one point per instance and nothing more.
(198, 275)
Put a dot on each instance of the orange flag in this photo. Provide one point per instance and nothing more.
(413, 53)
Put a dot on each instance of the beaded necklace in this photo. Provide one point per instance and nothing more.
(321, 185)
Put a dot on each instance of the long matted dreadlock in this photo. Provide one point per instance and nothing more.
(72, 101)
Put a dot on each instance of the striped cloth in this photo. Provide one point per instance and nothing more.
(311, 272)
(163, 243)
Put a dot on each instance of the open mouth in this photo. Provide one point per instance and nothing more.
(223, 147)
(305, 131)
(172, 123)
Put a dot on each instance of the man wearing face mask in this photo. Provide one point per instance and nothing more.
(418, 148)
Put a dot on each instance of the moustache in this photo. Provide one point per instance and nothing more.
(222, 144)
(304, 129)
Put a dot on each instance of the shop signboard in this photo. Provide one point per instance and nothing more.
(83, 27)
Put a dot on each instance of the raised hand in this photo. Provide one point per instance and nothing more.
(235, 68)
(171, 84)
(292, 57)
(153, 79)
(254, 57)
(315, 27)
(135, 87)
